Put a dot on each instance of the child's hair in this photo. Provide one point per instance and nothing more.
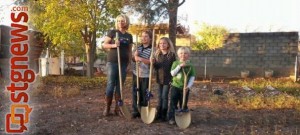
(149, 33)
(170, 46)
(183, 49)
(126, 18)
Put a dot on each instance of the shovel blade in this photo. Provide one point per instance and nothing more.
(148, 114)
(183, 119)
(125, 112)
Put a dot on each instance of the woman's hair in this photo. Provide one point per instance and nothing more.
(183, 49)
(170, 46)
(126, 18)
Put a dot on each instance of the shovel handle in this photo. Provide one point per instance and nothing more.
(137, 82)
(151, 63)
(119, 67)
(137, 74)
(184, 86)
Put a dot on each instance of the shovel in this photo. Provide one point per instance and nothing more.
(123, 108)
(137, 86)
(183, 117)
(148, 113)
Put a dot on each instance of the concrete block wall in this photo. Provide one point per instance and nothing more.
(255, 52)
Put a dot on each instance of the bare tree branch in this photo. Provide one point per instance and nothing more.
(181, 3)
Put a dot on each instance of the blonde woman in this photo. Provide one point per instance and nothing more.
(124, 43)
(164, 57)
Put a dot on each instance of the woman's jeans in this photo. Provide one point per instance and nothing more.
(113, 78)
(176, 97)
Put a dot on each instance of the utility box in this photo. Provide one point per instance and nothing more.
(49, 66)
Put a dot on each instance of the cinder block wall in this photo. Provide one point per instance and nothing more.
(255, 52)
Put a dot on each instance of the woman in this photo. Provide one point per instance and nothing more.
(124, 42)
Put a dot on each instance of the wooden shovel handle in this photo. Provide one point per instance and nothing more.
(119, 67)
(184, 86)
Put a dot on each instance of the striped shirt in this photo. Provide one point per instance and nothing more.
(144, 69)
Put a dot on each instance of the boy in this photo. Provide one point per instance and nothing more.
(178, 79)
(141, 55)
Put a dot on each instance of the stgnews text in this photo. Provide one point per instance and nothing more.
(18, 117)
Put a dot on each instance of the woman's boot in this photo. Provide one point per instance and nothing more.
(108, 101)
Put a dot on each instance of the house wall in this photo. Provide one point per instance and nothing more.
(35, 49)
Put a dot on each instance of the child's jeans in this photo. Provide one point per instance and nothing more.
(176, 97)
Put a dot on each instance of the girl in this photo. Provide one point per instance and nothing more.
(164, 57)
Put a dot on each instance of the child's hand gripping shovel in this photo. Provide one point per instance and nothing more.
(183, 116)
(148, 113)
(123, 108)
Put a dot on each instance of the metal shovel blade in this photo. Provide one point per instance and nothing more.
(125, 112)
(148, 114)
(183, 119)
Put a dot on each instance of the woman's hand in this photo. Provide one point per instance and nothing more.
(117, 43)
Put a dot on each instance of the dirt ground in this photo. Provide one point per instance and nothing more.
(82, 115)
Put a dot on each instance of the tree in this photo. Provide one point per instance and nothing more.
(152, 10)
(70, 22)
(210, 37)
(172, 7)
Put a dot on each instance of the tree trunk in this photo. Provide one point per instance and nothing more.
(93, 52)
(88, 59)
(90, 49)
(173, 8)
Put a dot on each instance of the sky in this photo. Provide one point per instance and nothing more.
(243, 15)
(235, 15)
(5, 7)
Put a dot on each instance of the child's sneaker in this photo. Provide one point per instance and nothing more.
(171, 122)
(185, 110)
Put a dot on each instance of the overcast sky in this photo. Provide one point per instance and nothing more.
(244, 15)
(236, 15)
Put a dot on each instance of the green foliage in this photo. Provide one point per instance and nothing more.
(63, 21)
(74, 25)
(210, 37)
(101, 55)
(283, 84)
(261, 102)
(289, 98)
(74, 81)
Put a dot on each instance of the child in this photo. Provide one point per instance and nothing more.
(141, 55)
(164, 57)
(178, 80)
